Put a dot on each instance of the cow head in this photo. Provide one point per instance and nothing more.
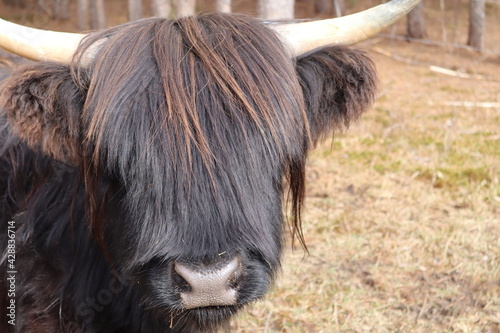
(191, 136)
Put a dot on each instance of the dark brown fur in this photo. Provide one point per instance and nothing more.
(39, 115)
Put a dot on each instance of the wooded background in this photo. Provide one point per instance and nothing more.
(91, 14)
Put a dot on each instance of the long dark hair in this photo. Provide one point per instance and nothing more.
(194, 78)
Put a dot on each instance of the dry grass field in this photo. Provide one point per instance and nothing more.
(402, 216)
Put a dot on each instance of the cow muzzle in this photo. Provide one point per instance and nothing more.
(208, 285)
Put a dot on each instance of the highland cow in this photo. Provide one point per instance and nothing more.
(146, 190)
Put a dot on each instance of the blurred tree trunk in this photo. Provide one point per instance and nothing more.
(322, 6)
(134, 10)
(339, 7)
(60, 9)
(16, 3)
(160, 8)
(97, 14)
(185, 7)
(223, 6)
(476, 23)
(44, 8)
(329, 6)
(82, 12)
(416, 22)
(276, 9)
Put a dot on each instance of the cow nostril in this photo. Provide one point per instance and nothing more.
(208, 285)
(180, 284)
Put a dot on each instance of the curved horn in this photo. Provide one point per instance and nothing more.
(38, 44)
(47, 45)
(351, 29)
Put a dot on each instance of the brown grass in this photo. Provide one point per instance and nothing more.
(402, 213)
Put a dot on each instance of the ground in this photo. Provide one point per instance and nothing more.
(403, 211)
(402, 217)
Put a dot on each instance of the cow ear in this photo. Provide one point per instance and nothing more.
(43, 107)
(339, 84)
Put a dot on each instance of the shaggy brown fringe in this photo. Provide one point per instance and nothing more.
(235, 59)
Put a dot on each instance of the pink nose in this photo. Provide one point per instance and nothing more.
(210, 285)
